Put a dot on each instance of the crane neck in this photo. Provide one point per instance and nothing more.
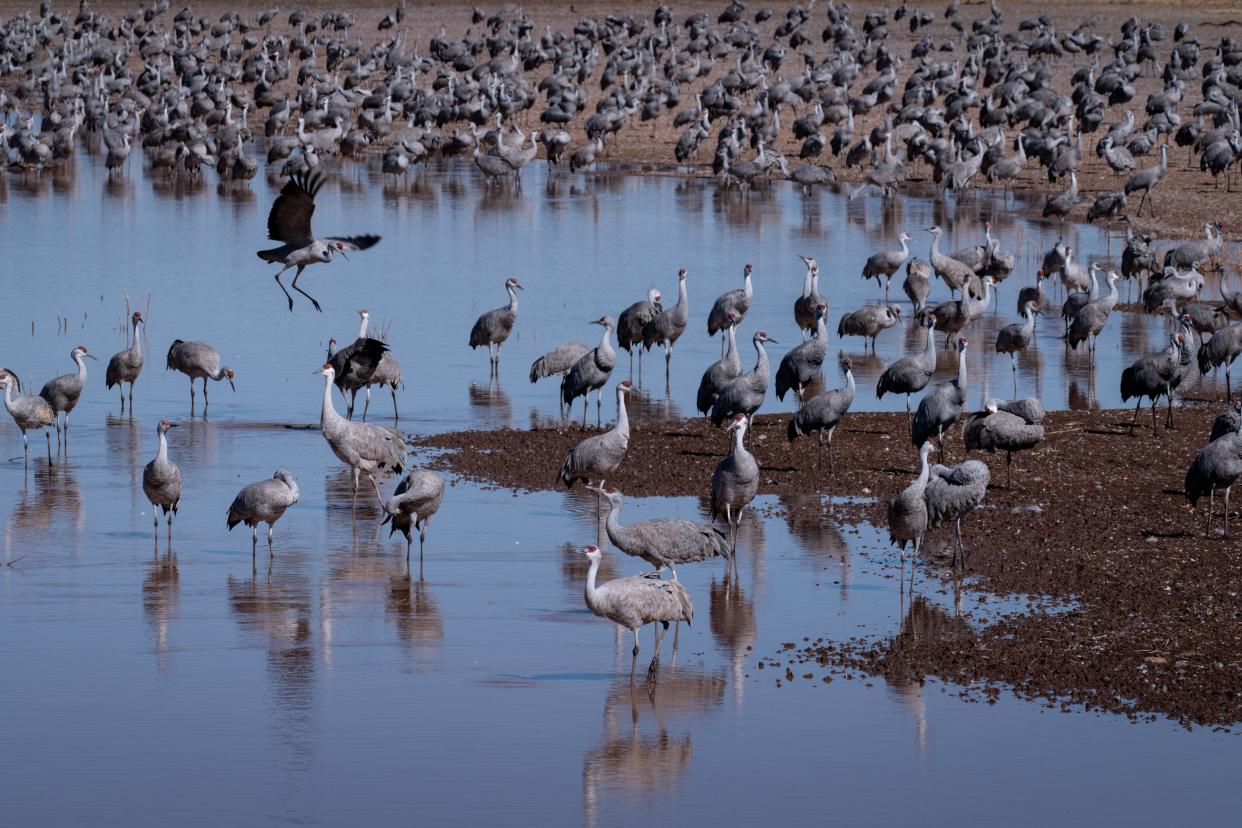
(732, 348)
(849, 383)
(961, 369)
(924, 469)
(905, 249)
(362, 327)
(8, 395)
(513, 300)
(161, 455)
(613, 521)
(81, 366)
(747, 288)
(1028, 324)
(137, 341)
(739, 442)
(929, 346)
(761, 358)
(821, 326)
(623, 417)
(328, 413)
(591, 589)
(807, 283)
(605, 341)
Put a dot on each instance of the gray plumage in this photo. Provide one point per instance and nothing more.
(591, 372)
(1013, 339)
(1147, 179)
(1060, 205)
(952, 493)
(1107, 206)
(1192, 253)
(721, 372)
(387, 373)
(953, 273)
(737, 301)
(363, 447)
(907, 512)
(557, 361)
(667, 326)
(1226, 422)
(198, 360)
(493, 327)
(1151, 376)
(802, 363)
(63, 392)
(1005, 426)
(636, 601)
(416, 500)
(745, 394)
(917, 284)
(910, 374)
(1218, 465)
(663, 542)
(806, 305)
(634, 319)
(941, 407)
(824, 412)
(1089, 321)
(358, 363)
(263, 502)
(125, 366)
(27, 410)
(886, 263)
(1221, 348)
(953, 316)
(869, 321)
(597, 457)
(734, 483)
(161, 480)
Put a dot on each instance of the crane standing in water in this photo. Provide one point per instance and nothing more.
(161, 481)
(27, 411)
(63, 392)
(125, 366)
(198, 360)
(263, 502)
(493, 328)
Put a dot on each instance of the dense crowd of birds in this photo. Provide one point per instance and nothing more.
(187, 90)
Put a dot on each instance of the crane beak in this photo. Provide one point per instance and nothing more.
(341, 250)
(91, 356)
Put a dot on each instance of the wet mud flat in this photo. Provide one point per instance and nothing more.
(1140, 611)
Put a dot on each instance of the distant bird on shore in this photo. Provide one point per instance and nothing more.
(824, 412)
(598, 456)
(907, 512)
(263, 502)
(1005, 426)
(290, 222)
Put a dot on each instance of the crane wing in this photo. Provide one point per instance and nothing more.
(352, 242)
(290, 219)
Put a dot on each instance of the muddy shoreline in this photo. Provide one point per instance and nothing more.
(1096, 522)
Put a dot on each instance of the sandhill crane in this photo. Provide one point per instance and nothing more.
(666, 327)
(746, 393)
(663, 542)
(290, 222)
(910, 374)
(27, 411)
(598, 456)
(953, 316)
(941, 407)
(1221, 348)
(802, 363)
(1107, 206)
(824, 412)
(1152, 376)
(125, 366)
(887, 262)
(953, 273)
(161, 481)
(635, 602)
(386, 372)
(734, 483)
(952, 493)
(493, 328)
(1013, 339)
(1007, 427)
(1218, 465)
(1077, 300)
(721, 372)
(907, 512)
(591, 373)
(198, 360)
(556, 363)
(632, 321)
(363, 447)
(1147, 179)
(869, 321)
(416, 500)
(1062, 204)
(63, 392)
(917, 284)
(1090, 320)
(807, 305)
(737, 301)
(263, 502)
(357, 364)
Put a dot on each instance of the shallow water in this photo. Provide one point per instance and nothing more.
(334, 685)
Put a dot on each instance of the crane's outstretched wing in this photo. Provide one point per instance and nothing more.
(290, 219)
(358, 360)
(352, 242)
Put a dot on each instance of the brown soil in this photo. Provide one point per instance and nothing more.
(1096, 521)
(1185, 200)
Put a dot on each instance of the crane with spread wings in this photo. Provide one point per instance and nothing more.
(290, 222)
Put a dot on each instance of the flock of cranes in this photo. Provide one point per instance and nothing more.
(177, 91)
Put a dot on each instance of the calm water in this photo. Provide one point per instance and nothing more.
(336, 686)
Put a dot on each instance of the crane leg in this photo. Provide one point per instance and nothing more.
(1008, 470)
(819, 457)
(395, 415)
(832, 463)
(599, 404)
(668, 357)
(585, 401)
(353, 400)
(422, 540)
(48, 435)
(1228, 389)
(1134, 422)
(206, 402)
(155, 518)
(634, 654)
(1227, 489)
(191, 396)
(1013, 360)
(282, 287)
(131, 399)
(169, 518)
(294, 285)
(254, 540)
(366, 404)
